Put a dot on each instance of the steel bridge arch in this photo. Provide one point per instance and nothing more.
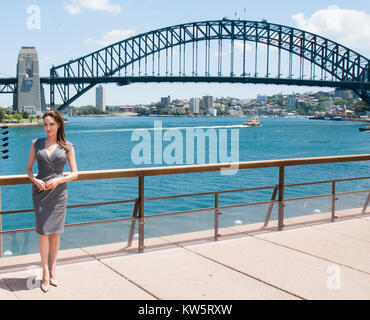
(343, 64)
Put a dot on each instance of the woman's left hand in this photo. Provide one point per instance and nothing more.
(53, 183)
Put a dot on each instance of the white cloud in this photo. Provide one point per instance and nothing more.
(111, 37)
(76, 6)
(350, 28)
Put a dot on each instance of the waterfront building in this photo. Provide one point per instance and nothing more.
(166, 101)
(208, 102)
(100, 97)
(261, 98)
(195, 105)
(212, 112)
(292, 101)
(345, 94)
(126, 109)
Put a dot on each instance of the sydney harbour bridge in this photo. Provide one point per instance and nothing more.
(221, 51)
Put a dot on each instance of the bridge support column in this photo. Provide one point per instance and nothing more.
(28, 96)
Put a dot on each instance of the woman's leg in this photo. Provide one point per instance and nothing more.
(54, 241)
(44, 252)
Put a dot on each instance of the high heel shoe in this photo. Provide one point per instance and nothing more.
(45, 287)
(53, 282)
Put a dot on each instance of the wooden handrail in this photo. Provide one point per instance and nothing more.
(166, 170)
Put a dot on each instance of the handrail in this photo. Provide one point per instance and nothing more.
(138, 212)
(156, 171)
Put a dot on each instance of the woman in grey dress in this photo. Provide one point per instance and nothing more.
(49, 190)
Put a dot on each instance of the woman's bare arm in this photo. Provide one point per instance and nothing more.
(31, 159)
(72, 164)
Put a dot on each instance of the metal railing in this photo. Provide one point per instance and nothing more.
(138, 210)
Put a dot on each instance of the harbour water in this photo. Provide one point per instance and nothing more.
(103, 143)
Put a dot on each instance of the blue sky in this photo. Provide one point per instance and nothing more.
(72, 28)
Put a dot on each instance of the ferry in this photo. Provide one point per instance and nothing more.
(254, 122)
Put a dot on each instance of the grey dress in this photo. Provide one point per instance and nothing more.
(50, 205)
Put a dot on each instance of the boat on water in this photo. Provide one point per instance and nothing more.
(315, 117)
(332, 117)
(253, 122)
(326, 117)
(365, 129)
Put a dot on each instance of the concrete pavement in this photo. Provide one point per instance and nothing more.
(312, 258)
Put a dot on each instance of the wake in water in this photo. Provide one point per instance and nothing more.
(161, 128)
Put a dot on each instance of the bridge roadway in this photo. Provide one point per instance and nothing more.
(208, 79)
(312, 258)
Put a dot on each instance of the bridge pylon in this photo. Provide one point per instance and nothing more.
(29, 95)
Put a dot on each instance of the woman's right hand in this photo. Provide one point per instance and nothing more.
(40, 184)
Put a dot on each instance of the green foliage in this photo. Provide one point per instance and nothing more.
(25, 115)
(220, 111)
(229, 101)
(277, 99)
(142, 111)
(17, 116)
(361, 108)
(341, 102)
(88, 110)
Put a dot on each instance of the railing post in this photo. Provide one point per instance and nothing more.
(333, 201)
(366, 204)
(141, 214)
(281, 198)
(217, 213)
(133, 223)
(268, 215)
(1, 229)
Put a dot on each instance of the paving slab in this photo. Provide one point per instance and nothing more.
(356, 228)
(121, 249)
(296, 222)
(84, 280)
(298, 273)
(23, 262)
(334, 247)
(180, 274)
(201, 236)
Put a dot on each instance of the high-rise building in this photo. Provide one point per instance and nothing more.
(166, 101)
(100, 97)
(195, 105)
(261, 98)
(292, 101)
(208, 102)
(345, 94)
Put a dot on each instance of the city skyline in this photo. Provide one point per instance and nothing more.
(68, 29)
